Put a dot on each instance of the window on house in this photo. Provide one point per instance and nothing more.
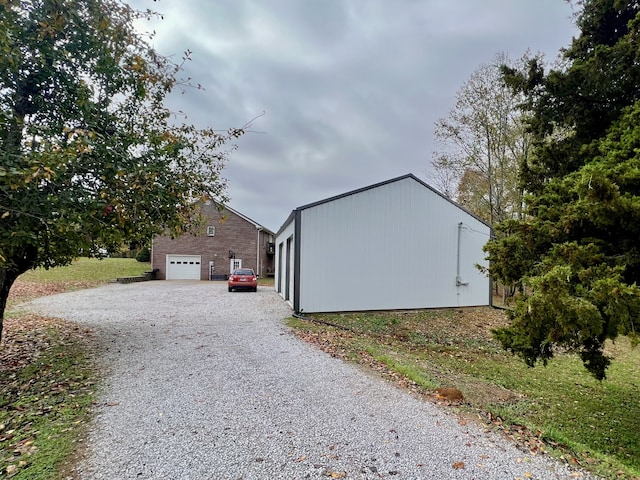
(211, 231)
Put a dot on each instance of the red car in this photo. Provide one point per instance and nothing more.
(243, 278)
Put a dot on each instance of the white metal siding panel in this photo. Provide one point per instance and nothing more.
(390, 247)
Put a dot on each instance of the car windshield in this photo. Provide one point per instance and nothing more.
(244, 271)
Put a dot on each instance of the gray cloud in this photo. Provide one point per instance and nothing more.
(350, 89)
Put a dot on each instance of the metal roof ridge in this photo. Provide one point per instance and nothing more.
(376, 185)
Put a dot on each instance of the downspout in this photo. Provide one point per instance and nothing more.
(258, 270)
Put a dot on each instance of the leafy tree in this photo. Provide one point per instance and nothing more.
(481, 143)
(577, 251)
(90, 156)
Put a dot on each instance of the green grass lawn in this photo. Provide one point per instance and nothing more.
(47, 388)
(48, 379)
(89, 270)
(559, 408)
(266, 282)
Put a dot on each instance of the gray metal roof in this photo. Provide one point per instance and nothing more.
(376, 185)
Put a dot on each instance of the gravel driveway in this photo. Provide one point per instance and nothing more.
(206, 384)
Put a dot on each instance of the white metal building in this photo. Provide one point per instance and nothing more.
(398, 244)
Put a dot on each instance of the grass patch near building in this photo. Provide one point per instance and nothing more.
(559, 409)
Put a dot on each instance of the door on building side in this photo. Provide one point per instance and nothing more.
(235, 263)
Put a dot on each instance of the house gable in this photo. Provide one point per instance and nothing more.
(226, 235)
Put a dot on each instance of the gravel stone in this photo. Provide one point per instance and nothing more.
(206, 384)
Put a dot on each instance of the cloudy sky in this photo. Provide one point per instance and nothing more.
(346, 91)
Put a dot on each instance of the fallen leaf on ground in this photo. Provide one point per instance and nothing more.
(331, 474)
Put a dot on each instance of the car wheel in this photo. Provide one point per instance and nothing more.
(230, 289)
(255, 289)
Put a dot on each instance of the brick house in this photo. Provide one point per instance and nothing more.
(228, 240)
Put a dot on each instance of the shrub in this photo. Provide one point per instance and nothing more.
(144, 255)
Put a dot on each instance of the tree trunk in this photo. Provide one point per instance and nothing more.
(7, 278)
(16, 265)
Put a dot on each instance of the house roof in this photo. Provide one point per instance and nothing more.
(244, 217)
(376, 185)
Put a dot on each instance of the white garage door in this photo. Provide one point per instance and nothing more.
(183, 267)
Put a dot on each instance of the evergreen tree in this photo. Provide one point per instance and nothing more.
(576, 255)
